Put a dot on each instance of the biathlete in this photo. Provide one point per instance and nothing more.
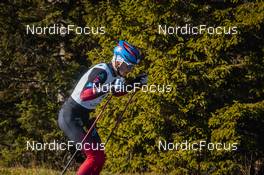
(93, 86)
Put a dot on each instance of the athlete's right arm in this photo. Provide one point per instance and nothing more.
(96, 78)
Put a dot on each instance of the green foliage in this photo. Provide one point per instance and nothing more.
(217, 83)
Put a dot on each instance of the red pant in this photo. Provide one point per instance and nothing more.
(93, 164)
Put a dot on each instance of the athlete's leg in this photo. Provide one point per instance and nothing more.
(95, 157)
(72, 126)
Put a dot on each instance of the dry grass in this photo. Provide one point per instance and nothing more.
(43, 171)
(30, 171)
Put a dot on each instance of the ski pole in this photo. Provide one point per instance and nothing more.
(119, 118)
(97, 118)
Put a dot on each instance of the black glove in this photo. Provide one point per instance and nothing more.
(142, 79)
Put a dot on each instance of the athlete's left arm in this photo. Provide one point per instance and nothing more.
(134, 84)
(120, 89)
